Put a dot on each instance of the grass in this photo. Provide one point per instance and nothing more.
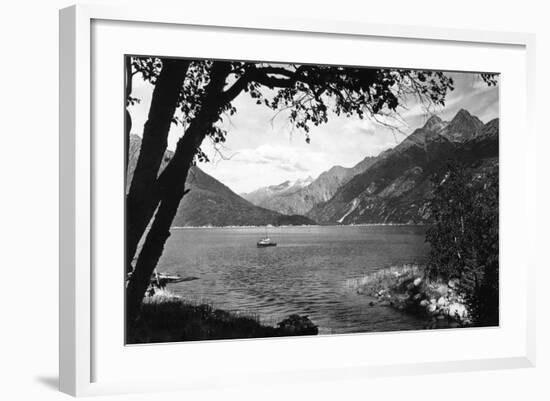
(387, 279)
(168, 318)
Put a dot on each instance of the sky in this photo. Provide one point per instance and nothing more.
(262, 148)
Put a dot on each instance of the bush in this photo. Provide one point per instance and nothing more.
(464, 237)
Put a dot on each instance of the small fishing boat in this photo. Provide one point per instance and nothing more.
(265, 242)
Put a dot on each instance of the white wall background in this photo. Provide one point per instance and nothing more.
(29, 186)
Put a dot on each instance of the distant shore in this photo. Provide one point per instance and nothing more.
(309, 225)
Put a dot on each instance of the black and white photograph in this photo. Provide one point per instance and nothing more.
(272, 199)
(298, 200)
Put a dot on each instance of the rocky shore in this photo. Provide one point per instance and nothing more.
(407, 288)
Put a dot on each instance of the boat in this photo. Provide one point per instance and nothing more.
(265, 242)
(160, 279)
(169, 278)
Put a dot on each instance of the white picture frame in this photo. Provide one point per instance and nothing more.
(81, 343)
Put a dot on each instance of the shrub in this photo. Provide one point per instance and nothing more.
(464, 236)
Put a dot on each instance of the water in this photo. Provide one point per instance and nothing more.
(306, 273)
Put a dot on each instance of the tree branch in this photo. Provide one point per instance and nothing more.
(264, 76)
(237, 87)
(280, 71)
(272, 82)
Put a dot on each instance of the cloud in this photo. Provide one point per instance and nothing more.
(284, 158)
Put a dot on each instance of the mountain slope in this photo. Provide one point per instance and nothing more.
(397, 187)
(288, 187)
(301, 200)
(211, 203)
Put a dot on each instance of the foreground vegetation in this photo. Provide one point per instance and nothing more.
(165, 317)
(465, 237)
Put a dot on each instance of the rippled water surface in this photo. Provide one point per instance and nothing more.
(306, 273)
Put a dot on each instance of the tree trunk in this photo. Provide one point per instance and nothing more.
(127, 128)
(172, 184)
(141, 201)
(150, 254)
(128, 118)
(153, 247)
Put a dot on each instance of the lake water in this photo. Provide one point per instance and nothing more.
(306, 273)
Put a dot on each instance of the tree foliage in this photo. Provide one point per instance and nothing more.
(464, 238)
(306, 93)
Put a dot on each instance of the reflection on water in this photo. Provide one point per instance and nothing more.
(305, 273)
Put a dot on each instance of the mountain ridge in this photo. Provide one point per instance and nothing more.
(211, 203)
(435, 131)
(319, 190)
(393, 187)
(396, 188)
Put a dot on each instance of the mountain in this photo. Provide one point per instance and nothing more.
(393, 187)
(299, 200)
(463, 127)
(285, 188)
(396, 188)
(211, 203)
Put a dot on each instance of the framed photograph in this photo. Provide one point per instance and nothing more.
(273, 199)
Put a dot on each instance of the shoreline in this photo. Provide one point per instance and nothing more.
(166, 317)
(306, 225)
